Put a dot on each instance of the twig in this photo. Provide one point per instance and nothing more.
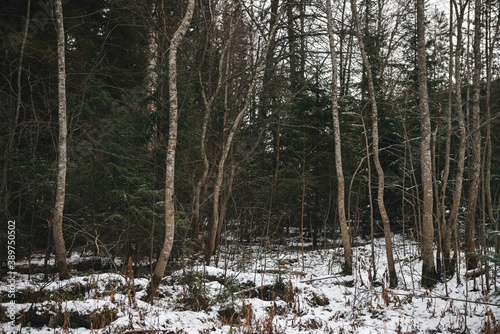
(321, 278)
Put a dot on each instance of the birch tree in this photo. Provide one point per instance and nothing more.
(208, 103)
(212, 237)
(57, 219)
(152, 76)
(380, 172)
(170, 159)
(338, 147)
(451, 225)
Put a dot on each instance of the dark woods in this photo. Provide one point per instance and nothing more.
(255, 148)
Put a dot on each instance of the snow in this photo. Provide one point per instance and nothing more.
(316, 298)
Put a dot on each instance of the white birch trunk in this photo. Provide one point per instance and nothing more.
(152, 77)
(57, 220)
(170, 159)
(338, 148)
(380, 172)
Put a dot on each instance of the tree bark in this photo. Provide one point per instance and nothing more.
(223, 206)
(429, 275)
(292, 43)
(210, 248)
(338, 148)
(459, 176)
(208, 103)
(57, 220)
(475, 166)
(489, 69)
(152, 77)
(269, 87)
(170, 159)
(380, 172)
(443, 261)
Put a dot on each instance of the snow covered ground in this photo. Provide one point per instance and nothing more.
(302, 293)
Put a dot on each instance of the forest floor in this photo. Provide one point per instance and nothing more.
(276, 290)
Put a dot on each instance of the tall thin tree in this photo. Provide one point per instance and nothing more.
(209, 103)
(442, 263)
(212, 237)
(338, 147)
(491, 39)
(170, 159)
(475, 131)
(428, 269)
(452, 224)
(378, 166)
(152, 76)
(57, 219)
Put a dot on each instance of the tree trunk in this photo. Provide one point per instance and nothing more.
(475, 166)
(170, 159)
(269, 88)
(380, 172)
(210, 248)
(208, 103)
(292, 43)
(223, 207)
(152, 78)
(489, 69)
(338, 148)
(57, 220)
(445, 233)
(459, 177)
(204, 176)
(428, 269)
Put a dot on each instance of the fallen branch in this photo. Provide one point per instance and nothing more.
(322, 278)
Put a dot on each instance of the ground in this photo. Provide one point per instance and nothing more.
(259, 290)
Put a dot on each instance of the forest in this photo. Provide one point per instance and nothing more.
(212, 156)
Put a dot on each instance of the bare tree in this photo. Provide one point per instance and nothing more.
(451, 225)
(491, 40)
(475, 131)
(338, 147)
(441, 263)
(210, 248)
(57, 220)
(209, 103)
(170, 159)
(380, 172)
(428, 269)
